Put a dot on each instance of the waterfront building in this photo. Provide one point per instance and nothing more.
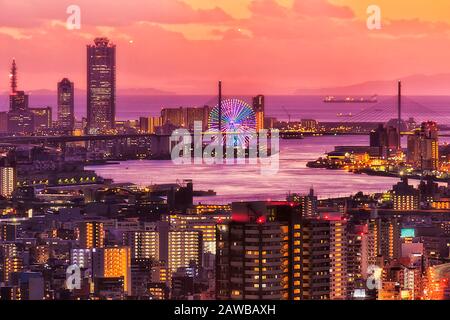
(66, 105)
(185, 117)
(149, 124)
(423, 148)
(405, 197)
(101, 86)
(258, 108)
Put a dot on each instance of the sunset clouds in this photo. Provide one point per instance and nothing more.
(185, 46)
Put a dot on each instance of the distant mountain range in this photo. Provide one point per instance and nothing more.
(124, 92)
(438, 84)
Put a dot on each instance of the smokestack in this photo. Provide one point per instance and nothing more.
(399, 119)
(220, 106)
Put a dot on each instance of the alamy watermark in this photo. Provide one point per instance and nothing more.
(238, 147)
(73, 22)
(374, 18)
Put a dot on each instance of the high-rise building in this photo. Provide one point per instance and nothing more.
(185, 249)
(204, 223)
(92, 234)
(113, 263)
(258, 252)
(357, 258)
(20, 119)
(405, 197)
(101, 86)
(308, 203)
(385, 138)
(258, 108)
(384, 239)
(143, 244)
(423, 148)
(8, 180)
(66, 105)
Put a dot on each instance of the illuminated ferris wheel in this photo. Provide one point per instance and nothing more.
(238, 120)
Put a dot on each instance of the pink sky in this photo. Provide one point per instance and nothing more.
(254, 46)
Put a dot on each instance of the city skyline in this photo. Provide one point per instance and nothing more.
(241, 43)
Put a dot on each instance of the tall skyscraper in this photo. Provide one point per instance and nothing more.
(66, 109)
(101, 86)
(258, 108)
(20, 119)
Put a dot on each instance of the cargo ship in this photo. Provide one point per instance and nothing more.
(333, 99)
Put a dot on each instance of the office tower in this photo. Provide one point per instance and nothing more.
(101, 86)
(185, 249)
(92, 234)
(143, 244)
(308, 203)
(258, 108)
(42, 118)
(66, 105)
(423, 148)
(384, 239)
(258, 252)
(8, 180)
(149, 124)
(113, 263)
(405, 197)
